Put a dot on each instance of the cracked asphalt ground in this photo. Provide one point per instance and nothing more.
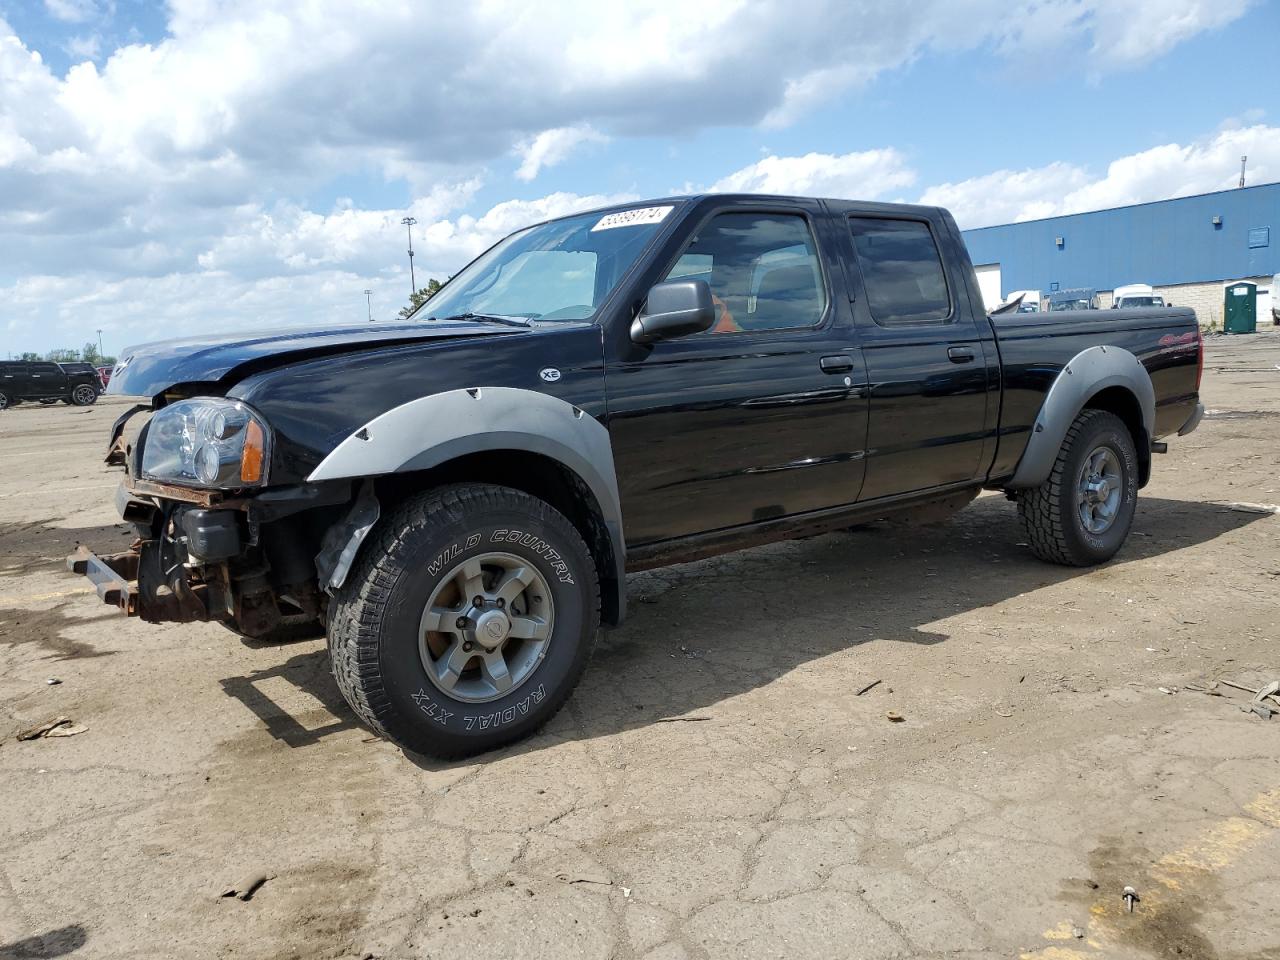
(716, 788)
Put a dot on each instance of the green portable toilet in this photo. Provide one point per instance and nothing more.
(1240, 311)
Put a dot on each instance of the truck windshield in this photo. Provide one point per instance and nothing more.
(562, 270)
(1126, 302)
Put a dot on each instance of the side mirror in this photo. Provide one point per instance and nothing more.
(676, 308)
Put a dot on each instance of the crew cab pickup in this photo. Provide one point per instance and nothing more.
(456, 500)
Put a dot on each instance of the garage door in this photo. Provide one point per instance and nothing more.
(989, 284)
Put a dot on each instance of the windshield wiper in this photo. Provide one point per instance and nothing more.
(491, 317)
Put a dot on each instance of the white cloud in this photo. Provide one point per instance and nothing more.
(551, 147)
(189, 156)
(865, 175)
(71, 11)
(274, 268)
(84, 47)
(1170, 170)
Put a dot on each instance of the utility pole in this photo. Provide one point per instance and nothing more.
(368, 295)
(101, 353)
(1243, 160)
(413, 285)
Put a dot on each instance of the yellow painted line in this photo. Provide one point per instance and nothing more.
(1215, 849)
(36, 597)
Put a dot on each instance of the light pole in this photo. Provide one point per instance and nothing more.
(368, 295)
(100, 350)
(409, 222)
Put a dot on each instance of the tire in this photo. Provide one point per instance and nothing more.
(1054, 513)
(84, 395)
(290, 629)
(6, 401)
(392, 665)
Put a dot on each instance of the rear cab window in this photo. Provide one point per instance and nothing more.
(902, 271)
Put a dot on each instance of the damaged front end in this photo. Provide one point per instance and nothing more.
(248, 555)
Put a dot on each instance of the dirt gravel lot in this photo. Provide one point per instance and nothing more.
(716, 788)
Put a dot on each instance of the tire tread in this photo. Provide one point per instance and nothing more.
(355, 613)
(1044, 509)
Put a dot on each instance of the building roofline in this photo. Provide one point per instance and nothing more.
(1127, 206)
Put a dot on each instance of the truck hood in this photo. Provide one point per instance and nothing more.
(152, 368)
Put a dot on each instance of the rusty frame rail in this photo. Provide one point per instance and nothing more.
(114, 577)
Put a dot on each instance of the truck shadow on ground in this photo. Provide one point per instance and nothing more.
(704, 632)
(54, 943)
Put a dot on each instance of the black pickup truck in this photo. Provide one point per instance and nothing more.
(456, 499)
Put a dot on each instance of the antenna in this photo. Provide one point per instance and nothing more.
(1243, 160)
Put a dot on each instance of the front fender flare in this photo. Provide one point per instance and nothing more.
(433, 430)
(1088, 373)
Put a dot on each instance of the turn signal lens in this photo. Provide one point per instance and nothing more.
(254, 451)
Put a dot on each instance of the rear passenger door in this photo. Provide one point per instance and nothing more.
(933, 373)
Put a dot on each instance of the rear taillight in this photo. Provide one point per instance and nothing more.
(1199, 357)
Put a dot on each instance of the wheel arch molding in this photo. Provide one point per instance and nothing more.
(441, 429)
(1106, 377)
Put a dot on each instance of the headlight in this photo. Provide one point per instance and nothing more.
(206, 442)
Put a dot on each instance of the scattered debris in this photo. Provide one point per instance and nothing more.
(626, 893)
(873, 683)
(584, 876)
(1004, 713)
(895, 717)
(693, 719)
(246, 888)
(57, 727)
(1130, 896)
(1263, 508)
(1168, 690)
(1261, 709)
(1077, 932)
(53, 681)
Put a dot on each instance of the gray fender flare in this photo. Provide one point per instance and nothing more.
(1088, 372)
(432, 430)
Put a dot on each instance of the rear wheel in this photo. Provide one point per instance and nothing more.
(1082, 513)
(467, 621)
(84, 395)
(6, 401)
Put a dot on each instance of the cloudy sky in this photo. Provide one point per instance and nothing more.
(219, 164)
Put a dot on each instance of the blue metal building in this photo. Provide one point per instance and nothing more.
(1227, 235)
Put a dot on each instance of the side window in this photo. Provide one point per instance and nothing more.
(762, 268)
(901, 270)
(45, 369)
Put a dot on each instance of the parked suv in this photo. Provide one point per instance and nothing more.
(48, 382)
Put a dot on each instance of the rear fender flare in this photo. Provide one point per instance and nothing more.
(1088, 373)
(433, 430)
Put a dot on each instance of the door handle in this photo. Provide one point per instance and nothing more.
(960, 354)
(840, 363)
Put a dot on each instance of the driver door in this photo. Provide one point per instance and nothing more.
(761, 417)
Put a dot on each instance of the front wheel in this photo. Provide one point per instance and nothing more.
(467, 621)
(84, 395)
(1082, 513)
(6, 401)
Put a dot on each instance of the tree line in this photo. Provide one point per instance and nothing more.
(89, 353)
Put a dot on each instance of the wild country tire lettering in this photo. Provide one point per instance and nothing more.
(482, 721)
(528, 540)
